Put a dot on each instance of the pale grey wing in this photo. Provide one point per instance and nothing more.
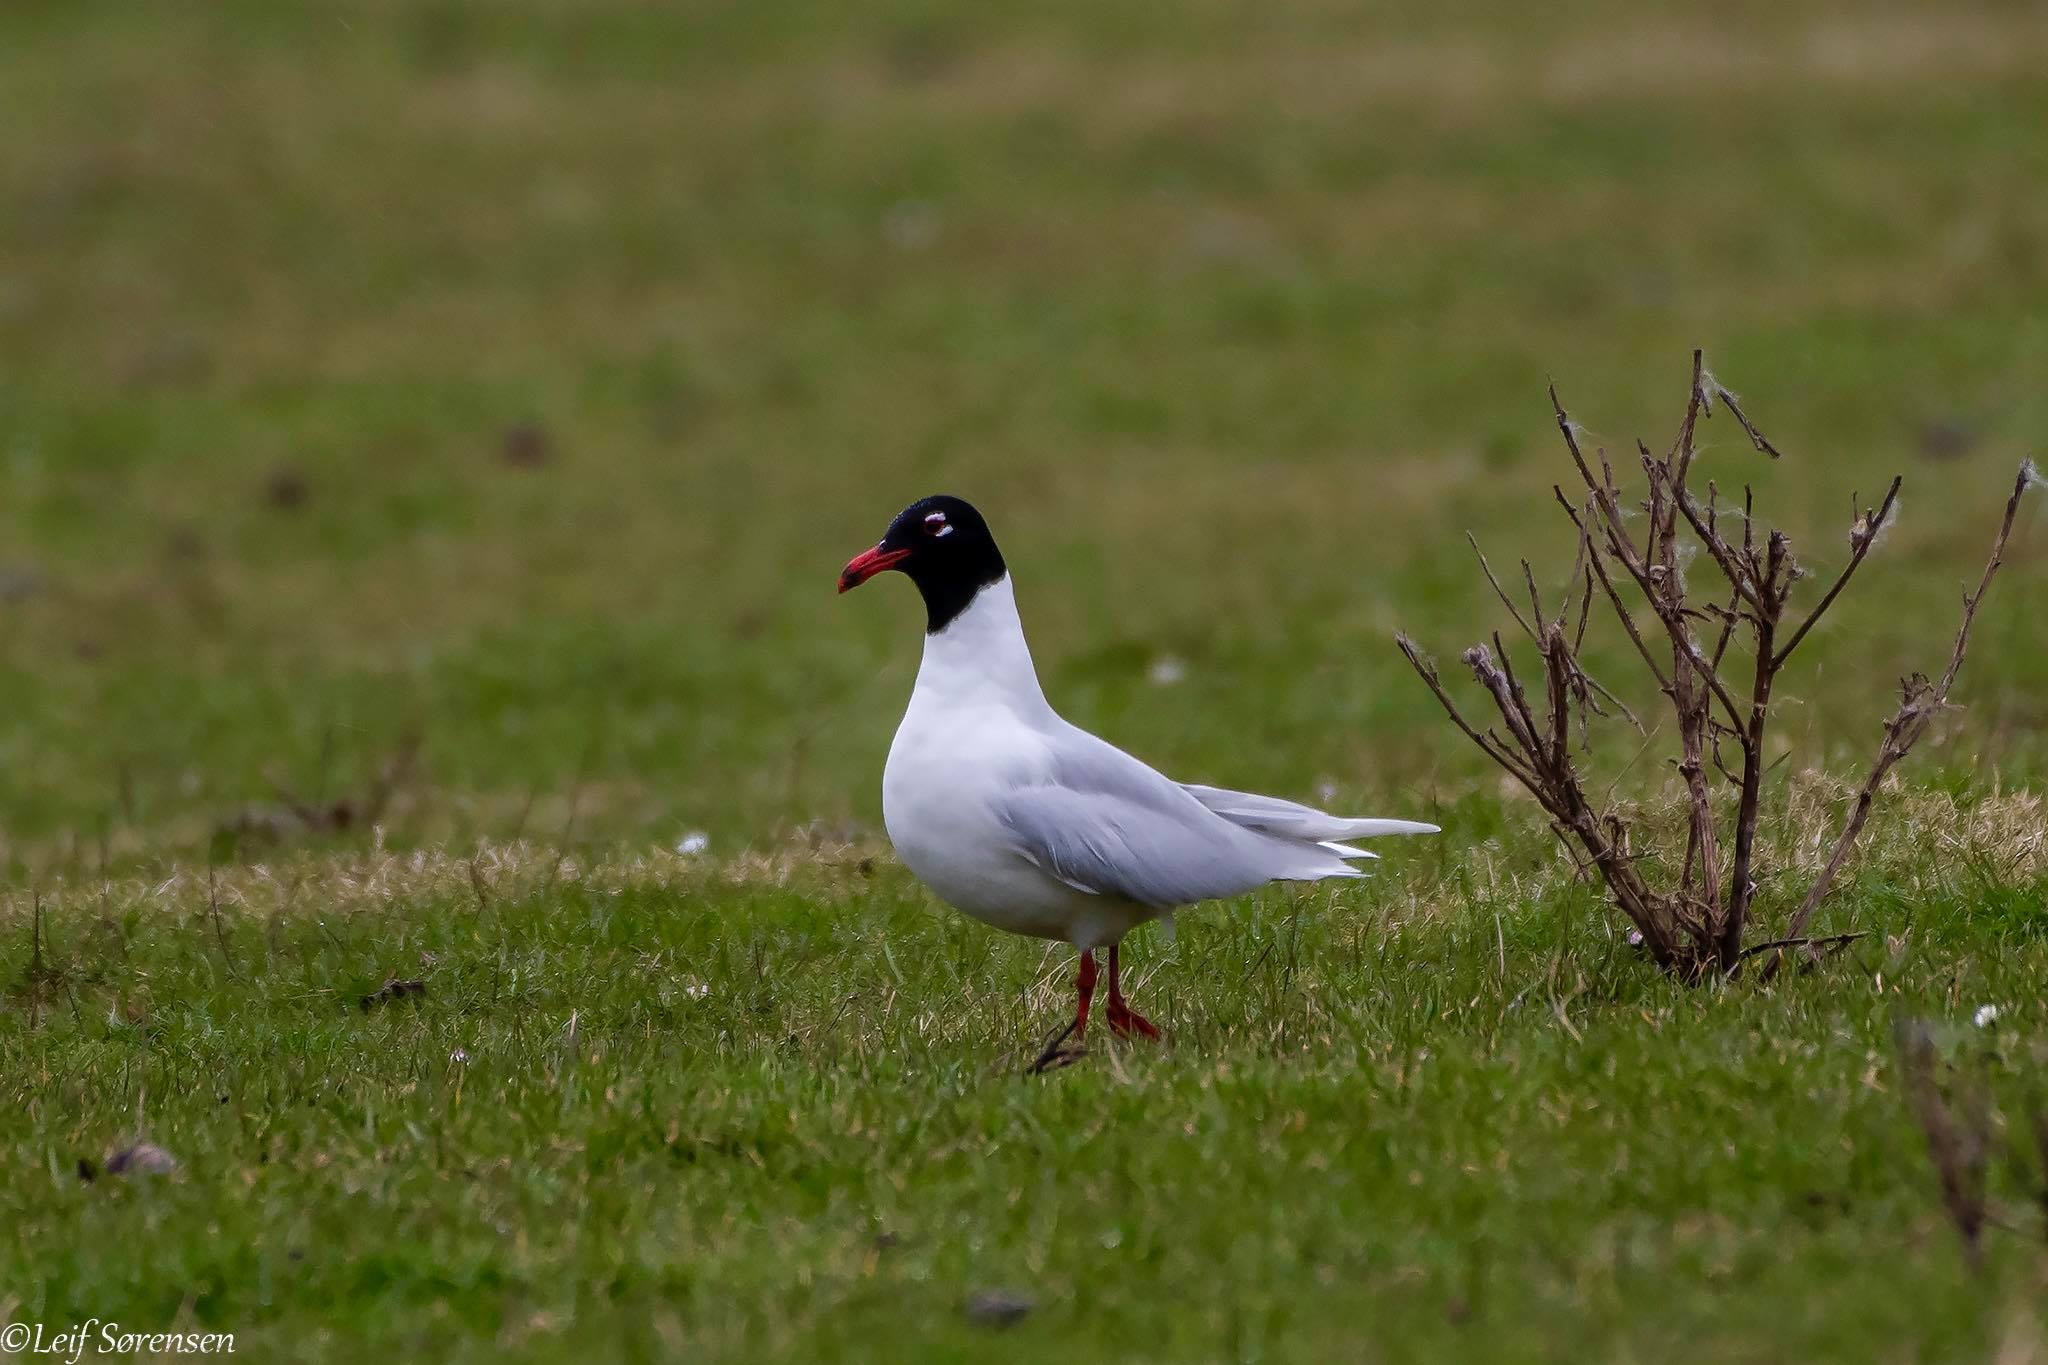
(1292, 820)
(1108, 845)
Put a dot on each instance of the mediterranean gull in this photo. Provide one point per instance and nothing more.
(1035, 826)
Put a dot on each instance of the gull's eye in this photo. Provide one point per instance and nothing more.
(936, 525)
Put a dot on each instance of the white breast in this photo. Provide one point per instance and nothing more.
(976, 724)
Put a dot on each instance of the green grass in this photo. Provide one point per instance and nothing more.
(1233, 319)
(778, 1111)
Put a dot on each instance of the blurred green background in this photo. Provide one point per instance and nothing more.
(518, 375)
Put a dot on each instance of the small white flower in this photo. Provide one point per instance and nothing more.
(1166, 670)
(1985, 1016)
(695, 989)
(693, 843)
(459, 1057)
(1326, 792)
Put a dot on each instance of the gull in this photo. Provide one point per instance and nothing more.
(1035, 826)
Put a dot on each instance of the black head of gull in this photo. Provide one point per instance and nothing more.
(945, 547)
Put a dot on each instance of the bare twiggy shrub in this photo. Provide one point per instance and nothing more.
(1695, 928)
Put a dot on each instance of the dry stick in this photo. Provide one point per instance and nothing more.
(1832, 942)
(1774, 586)
(1700, 683)
(1487, 744)
(1654, 570)
(1557, 670)
(1766, 592)
(1702, 858)
(1682, 448)
(1695, 685)
(1731, 616)
(1628, 623)
(1724, 554)
(1918, 703)
(1579, 570)
(1502, 690)
(1661, 589)
(1583, 683)
(1861, 538)
(1535, 599)
(1571, 441)
(1756, 438)
(1556, 791)
(1586, 603)
(219, 933)
(1499, 591)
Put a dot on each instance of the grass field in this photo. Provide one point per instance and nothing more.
(488, 395)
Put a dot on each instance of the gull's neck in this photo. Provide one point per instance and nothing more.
(980, 655)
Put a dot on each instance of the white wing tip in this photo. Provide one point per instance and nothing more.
(1373, 829)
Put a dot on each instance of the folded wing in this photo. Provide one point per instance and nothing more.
(1106, 845)
(1292, 820)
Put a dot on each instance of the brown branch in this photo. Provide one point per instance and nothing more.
(1724, 554)
(1498, 590)
(1554, 785)
(1863, 536)
(1571, 441)
(1682, 448)
(1756, 438)
(1741, 881)
(1487, 745)
(1535, 598)
(1695, 926)
(1658, 582)
(1500, 680)
(1559, 671)
(1833, 942)
(1628, 623)
(1919, 701)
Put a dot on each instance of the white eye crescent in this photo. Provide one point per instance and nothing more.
(935, 524)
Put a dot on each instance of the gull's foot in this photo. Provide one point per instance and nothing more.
(1055, 1054)
(1126, 1022)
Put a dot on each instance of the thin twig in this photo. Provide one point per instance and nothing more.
(1918, 703)
(1862, 537)
(1498, 590)
(1756, 438)
(1621, 611)
(1831, 941)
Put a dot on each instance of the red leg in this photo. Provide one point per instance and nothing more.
(1123, 1020)
(1056, 1053)
(1084, 989)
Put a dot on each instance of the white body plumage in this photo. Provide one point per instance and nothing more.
(1035, 826)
